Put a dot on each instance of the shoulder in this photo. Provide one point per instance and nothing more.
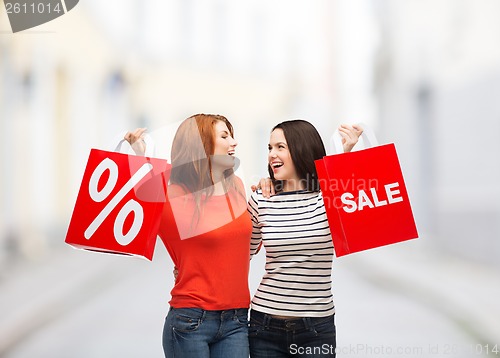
(256, 195)
(238, 182)
(255, 198)
(175, 190)
(297, 195)
(317, 197)
(237, 185)
(288, 199)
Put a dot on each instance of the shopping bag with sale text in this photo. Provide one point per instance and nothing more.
(365, 197)
(119, 205)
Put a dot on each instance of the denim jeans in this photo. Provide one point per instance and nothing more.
(306, 337)
(197, 333)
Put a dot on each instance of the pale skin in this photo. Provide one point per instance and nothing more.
(350, 135)
(223, 157)
(136, 140)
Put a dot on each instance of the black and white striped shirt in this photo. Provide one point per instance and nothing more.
(294, 230)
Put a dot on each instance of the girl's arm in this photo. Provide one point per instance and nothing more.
(256, 238)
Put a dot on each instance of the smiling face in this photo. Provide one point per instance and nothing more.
(281, 161)
(224, 146)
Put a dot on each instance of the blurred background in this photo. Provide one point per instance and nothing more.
(423, 74)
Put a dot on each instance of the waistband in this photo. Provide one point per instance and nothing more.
(208, 314)
(269, 321)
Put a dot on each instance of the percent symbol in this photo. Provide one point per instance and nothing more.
(129, 207)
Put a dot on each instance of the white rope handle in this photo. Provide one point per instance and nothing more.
(369, 139)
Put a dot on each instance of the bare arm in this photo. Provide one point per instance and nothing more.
(136, 140)
(350, 135)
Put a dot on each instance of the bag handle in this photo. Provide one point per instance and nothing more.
(150, 146)
(369, 139)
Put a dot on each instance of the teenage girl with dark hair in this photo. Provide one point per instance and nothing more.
(292, 313)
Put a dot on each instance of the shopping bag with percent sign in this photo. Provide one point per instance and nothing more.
(119, 205)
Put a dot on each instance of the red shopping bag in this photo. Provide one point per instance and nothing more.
(119, 205)
(366, 200)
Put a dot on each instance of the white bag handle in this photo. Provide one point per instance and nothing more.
(368, 136)
(150, 146)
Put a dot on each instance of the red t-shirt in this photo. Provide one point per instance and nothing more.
(210, 250)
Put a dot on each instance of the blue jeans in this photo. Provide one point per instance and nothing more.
(306, 337)
(197, 333)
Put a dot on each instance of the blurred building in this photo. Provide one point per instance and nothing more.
(106, 67)
(437, 82)
(425, 75)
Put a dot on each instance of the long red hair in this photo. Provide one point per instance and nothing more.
(192, 148)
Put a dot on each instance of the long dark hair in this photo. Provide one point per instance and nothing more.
(305, 146)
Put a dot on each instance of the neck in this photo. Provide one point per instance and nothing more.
(218, 179)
